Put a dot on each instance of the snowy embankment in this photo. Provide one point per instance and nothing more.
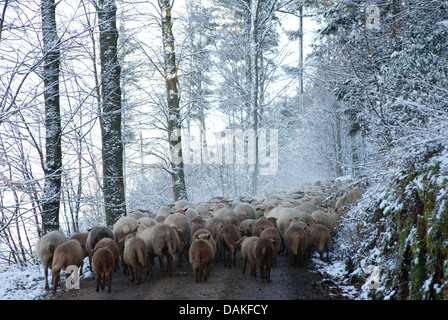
(27, 283)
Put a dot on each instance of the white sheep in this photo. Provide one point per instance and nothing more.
(147, 222)
(246, 209)
(124, 226)
(326, 219)
(45, 250)
(182, 226)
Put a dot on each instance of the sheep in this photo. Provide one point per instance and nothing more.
(204, 206)
(264, 253)
(201, 255)
(260, 223)
(326, 219)
(197, 223)
(82, 238)
(247, 245)
(103, 264)
(110, 244)
(161, 240)
(95, 235)
(183, 228)
(247, 209)
(147, 222)
(246, 227)
(45, 248)
(139, 213)
(320, 238)
(307, 207)
(226, 215)
(296, 242)
(124, 226)
(284, 218)
(273, 234)
(66, 254)
(191, 213)
(306, 217)
(134, 256)
(163, 212)
(214, 225)
(181, 204)
(203, 233)
(227, 239)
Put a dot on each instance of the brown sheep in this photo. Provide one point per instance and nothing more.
(264, 253)
(203, 234)
(227, 239)
(273, 234)
(134, 256)
(45, 250)
(320, 239)
(82, 238)
(182, 225)
(110, 244)
(262, 222)
(103, 262)
(66, 254)
(296, 242)
(247, 252)
(201, 255)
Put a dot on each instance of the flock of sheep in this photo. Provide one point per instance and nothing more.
(260, 228)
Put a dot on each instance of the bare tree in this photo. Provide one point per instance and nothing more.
(53, 161)
(112, 152)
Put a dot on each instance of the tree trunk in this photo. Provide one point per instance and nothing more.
(173, 102)
(112, 147)
(53, 162)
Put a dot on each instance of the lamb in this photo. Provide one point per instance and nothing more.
(66, 254)
(45, 250)
(201, 255)
(247, 252)
(82, 238)
(246, 209)
(273, 234)
(197, 223)
(264, 253)
(296, 242)
(110, 244)
(227, 239)
(134, 256)
(320, 238)
(104, 264)
(182, 226)
(260, 223)
(95, 235)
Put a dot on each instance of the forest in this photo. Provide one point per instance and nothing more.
(108, 106)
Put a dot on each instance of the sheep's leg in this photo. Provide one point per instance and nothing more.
(131, 274)
(206, 271)
(244, 265)
(162, 265)
(109, 282)
(47, 287)
(169, 265)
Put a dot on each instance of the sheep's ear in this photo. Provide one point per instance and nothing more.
(196, 236)
(177, 229)
(208, 236)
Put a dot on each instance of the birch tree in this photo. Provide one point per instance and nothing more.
(112, 147)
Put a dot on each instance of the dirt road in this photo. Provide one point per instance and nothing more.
(287, 283)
